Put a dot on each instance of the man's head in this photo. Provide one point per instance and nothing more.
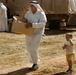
(32, 6)
(69, 36)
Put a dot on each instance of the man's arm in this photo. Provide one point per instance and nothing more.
(42, 22)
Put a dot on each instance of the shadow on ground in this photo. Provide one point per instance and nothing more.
(24, 71)
(57, 32)
(63, 73)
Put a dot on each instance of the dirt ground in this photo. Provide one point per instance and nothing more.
(13, 54)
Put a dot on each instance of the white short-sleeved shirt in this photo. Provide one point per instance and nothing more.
(69, 48)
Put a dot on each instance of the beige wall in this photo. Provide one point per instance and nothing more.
(49, 6)
(55, 6)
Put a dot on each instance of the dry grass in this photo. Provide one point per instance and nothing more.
(13, 55)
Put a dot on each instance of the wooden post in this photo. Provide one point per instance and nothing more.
(41, 3)
(7, 1)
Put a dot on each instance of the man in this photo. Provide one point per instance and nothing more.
(3, 17)
(72, 6)
(37, 20)
(72, 11)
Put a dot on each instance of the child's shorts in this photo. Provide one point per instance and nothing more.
(70, 57)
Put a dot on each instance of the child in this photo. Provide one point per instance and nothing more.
(69, 45)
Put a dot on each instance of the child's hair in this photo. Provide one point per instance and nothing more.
(69, 34)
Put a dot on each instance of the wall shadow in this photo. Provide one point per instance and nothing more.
(57, 32)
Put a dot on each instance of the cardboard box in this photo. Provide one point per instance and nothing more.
(19, 27)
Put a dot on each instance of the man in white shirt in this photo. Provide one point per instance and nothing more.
(72, 6)
(3, 18)
(72, 11)
(37, 20)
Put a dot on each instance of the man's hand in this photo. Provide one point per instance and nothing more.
(28, 25)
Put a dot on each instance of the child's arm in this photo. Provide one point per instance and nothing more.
(72, 42)
(64, 47)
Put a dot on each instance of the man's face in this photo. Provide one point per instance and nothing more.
(33, 8)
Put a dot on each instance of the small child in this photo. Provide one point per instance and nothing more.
(69, 45)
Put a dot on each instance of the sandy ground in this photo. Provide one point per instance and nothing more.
(13, 54)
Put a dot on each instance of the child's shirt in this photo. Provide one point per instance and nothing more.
(69, 48)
